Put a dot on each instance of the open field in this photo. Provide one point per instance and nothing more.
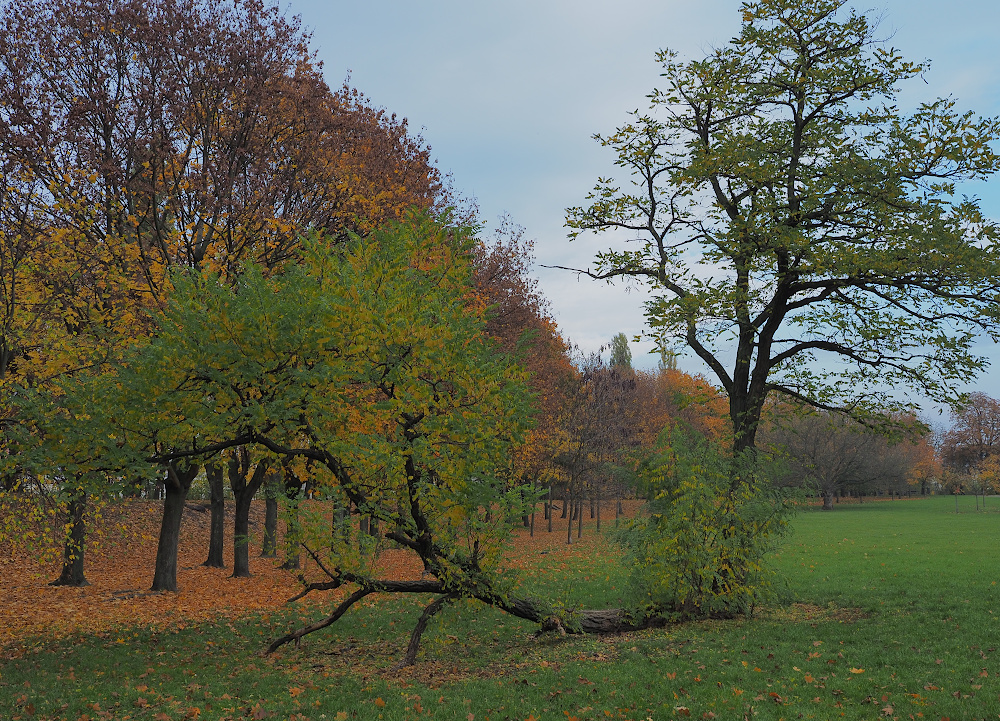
(889, 611)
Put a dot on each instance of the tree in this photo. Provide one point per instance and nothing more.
(975, 433)
(621, 355)
(832, 453)
(519, 321)
(793, 220)
(136, 137)
(198, 131)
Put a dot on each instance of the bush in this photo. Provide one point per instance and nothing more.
(701, 549)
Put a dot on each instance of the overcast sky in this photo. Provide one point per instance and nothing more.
(509, 93)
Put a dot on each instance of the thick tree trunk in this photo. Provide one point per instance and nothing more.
(176, 485)
(217, 536)
(244, 490)
(241, 536)
(272, 487)
(827, 500)
(73, 548)
(612, 620)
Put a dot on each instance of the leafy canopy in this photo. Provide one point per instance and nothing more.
(370, 362)
(796, 229)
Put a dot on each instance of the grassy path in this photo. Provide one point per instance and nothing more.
(889, 612)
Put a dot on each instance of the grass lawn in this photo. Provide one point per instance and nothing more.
(888, 612)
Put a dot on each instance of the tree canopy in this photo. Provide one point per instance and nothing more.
(796, 229)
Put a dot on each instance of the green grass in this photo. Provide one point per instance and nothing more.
(889, 610)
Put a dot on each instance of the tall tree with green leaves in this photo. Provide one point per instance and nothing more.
(801, 233)
(621, 354)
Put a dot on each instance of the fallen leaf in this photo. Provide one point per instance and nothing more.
(682, 710)
(856, 670)
(379, 702)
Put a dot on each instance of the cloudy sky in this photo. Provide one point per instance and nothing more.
(508, 93)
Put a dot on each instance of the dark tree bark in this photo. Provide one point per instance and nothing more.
(293, 490)
(534, 505)
(217, 537)
(569, 518)
(548, 508)
(73, 548)
(598, 511)
(272, 487)
(177, 484)
(613, 620)
(434, 607)
(244, 490)
(827, 500)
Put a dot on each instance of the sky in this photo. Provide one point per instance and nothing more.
(509, 94)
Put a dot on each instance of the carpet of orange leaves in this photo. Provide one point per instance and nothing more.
(120, 571)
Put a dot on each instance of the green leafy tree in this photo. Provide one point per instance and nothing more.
(801, 233)
(621, 354)
(701, 551)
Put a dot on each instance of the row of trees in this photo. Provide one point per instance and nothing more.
(213, 263)
(211, 260)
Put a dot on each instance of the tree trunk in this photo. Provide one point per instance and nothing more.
(569, 521)
(272, 487)
(176, 486)
(827, 500)
(548, 508)
(244, 489)
(339, 516)
(217, 536)
(579, 518)
(73, 548)
(293, 531)
(598, 511)
(598, 621)
(534, 505)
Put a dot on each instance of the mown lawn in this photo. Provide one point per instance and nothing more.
(888, 612)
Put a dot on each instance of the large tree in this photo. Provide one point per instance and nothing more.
(796, 229)
(140, 136)
(975, 433)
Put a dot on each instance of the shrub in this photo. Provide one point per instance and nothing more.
(712, 520)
